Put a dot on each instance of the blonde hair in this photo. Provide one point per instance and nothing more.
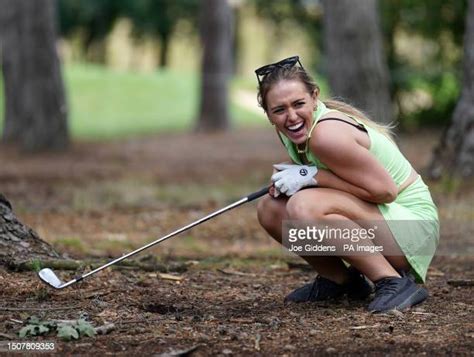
(385, 129)
(299, 74)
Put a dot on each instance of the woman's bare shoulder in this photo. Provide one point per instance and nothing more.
(329, 136)
(338, 115)
(333, 133)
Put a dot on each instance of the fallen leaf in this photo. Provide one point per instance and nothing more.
(461, 282)
(435, 273)
(170, 277)
(176, 353)
(242, 320)
(104, 329)
(258, 337)
(108, 315)
(363, 327)
(396, 313)
(423, 313)
(235, 272)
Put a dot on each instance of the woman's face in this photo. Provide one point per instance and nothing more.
(290, 107)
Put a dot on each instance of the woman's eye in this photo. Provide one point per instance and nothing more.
(278, 111)
(299, 104)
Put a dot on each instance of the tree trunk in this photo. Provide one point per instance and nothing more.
(164, 49)
(216, 65)
(36, 111)
(22, 249)
(234, 24)
(454, 155)
(19, 244)
(9, 38)
(356, 63)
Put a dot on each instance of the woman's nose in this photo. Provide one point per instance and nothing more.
(292, 114)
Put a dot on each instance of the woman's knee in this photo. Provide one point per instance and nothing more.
(306, 206)
(270, 212)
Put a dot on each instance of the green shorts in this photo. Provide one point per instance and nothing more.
(413, 221)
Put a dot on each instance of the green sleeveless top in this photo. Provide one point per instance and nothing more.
(384, 150)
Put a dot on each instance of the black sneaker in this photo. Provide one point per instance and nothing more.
(396, 294)
(358, 287)
(322, 289)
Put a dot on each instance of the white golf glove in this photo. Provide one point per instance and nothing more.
(291, 178)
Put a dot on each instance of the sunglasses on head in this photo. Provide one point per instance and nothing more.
(269, 68)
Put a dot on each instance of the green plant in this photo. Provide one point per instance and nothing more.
(35, 327)
(450, 184)
(36, 265)
(65, 329)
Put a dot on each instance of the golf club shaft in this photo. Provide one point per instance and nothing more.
(246, 199)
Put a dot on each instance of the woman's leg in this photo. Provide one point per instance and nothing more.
(323, 204)
(271, 213)
(345, 209)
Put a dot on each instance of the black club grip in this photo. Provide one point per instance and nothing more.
(258, 194)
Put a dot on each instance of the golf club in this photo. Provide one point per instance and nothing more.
(49, 277)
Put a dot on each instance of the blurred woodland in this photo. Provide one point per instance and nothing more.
(399, 60)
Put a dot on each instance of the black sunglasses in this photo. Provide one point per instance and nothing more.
(269, 68)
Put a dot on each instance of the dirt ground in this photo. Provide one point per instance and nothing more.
(104, 199)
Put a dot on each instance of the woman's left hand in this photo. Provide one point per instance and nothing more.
(292, 178)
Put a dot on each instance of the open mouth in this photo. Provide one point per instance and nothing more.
(296, 127)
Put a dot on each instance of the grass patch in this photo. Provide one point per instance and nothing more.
(113, 247)
(36, 265)
(196, 194)
(70, 244)
(193, 244)
(130, 193)
(107, 104)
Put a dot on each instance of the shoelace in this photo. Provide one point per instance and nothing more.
(320, 283)
(315, 283)
(386, 286)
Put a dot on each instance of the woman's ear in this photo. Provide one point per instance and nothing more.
(315, 95)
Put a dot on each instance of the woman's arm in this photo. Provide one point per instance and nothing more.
(328, 179)
(352, 167)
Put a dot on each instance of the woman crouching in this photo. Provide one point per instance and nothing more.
(347, 172)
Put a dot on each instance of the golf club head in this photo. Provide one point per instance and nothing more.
(49, 277)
